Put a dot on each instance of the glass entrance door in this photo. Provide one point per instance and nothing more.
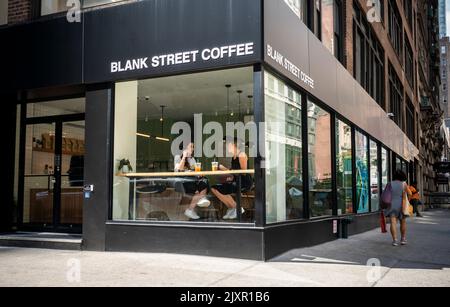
(39, 175)
(53, 172)
(51, 165)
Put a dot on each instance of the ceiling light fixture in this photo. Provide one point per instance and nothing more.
(250, 97)
(239, 103)
(162, 138)
(228, 86)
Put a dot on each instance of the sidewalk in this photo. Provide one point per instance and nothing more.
(424, 262)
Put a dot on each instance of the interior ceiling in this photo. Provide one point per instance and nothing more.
(186, 95)
(67, 106)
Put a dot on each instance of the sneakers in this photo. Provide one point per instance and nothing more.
(394, 243)
(191, 214)
(204, 203)
(404, 242)
(232, 214)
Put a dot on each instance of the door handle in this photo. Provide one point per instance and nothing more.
(57, 163)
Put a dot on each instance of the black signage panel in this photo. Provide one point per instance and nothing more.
(151, 38)
(41, 54)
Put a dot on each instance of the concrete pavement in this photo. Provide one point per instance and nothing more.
(354, 262)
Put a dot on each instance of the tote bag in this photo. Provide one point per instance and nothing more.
(406, 206)
(386, 197)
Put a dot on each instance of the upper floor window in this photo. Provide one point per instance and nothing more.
(395, 28)
(396, 96)
(409, 63)
(3, 12)
(368, 57)
(56, 6)
(299, 7)
(408, 8)
(332, 27)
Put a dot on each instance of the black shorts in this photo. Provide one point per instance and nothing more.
(231, 187)
(193, 186)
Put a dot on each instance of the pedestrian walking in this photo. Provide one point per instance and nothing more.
(393, 202)
(415, 199)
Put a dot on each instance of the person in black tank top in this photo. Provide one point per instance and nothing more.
(223, 191)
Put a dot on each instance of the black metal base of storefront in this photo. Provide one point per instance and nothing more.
(244, 242)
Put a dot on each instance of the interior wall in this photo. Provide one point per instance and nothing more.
(125, 142)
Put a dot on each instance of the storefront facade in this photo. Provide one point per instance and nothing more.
(127, 82)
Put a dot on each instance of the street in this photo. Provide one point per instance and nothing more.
(353, 262)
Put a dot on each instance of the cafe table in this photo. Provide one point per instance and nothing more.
(172, 176)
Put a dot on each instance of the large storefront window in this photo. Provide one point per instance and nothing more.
(362, 173)
(319, 170)
(374, 177)
(183, 145)
(344, 166)
(284, 182)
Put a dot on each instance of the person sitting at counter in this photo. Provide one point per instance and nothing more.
(197, 187)
(223, 191)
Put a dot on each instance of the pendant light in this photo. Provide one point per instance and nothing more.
(239, 103)
(250, 97)
(228, 86)
(162, 138)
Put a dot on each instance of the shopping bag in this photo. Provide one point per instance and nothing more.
(407, 209)
(383, 223)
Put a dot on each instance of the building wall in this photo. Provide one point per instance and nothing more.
(445, 69)
(423, 37)
(19, 11)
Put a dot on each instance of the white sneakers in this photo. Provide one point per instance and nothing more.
(191, 214)
(204, 203)
(232, 214)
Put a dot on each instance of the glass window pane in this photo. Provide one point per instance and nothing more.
(374, 177)
(56, 107)
(328, 24)
(362, 173)
(89, 3)
(169, 129)
(72, 173)
(344, 163)
(39, 177)
(53, 6)
(320, 175)
(284, 181)
(384, 168)
(299, 7)
(3, 12)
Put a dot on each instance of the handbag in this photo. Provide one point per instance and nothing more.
(406, 206)
(386, 197)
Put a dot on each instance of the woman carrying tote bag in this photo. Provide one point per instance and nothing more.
(397, 210)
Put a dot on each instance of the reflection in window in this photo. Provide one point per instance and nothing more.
(56, 6)
(384, 168)
(344, 166)
(162, 129)
(328, 24)
(299, 7)
(320, 175)
(284, 182)
(374, 177)
(3, 12)
(362, 173)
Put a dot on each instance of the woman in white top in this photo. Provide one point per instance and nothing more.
(197, 187)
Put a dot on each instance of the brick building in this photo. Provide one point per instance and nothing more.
(361, 76)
